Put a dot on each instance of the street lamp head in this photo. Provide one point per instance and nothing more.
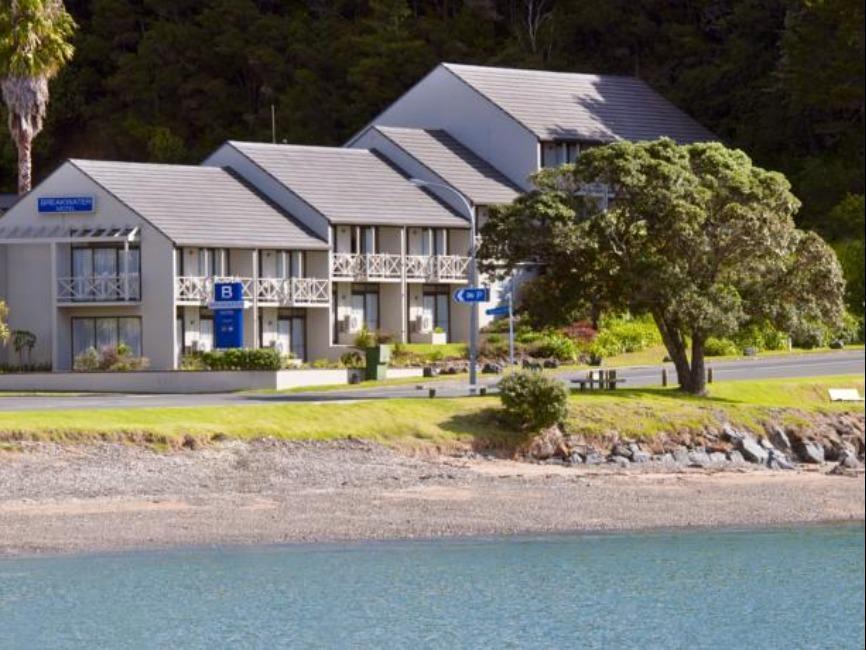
(417, 181)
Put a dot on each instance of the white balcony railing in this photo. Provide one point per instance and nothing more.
(450, 267)
(199, 289)
(293, 291)
(285, 292)
(433, 268)
(99, 288)
(311, 291)
(372, 266)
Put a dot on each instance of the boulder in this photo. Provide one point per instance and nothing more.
(810, 451)
(766, 444)
(666, 458)
(575, 458)
(551, 363)
(681, 456)
(732, 434)
(780, 439)
(593, 458)
(778, 460)
(640, 457)
(718, 458)
(752, 451)
(619, 461)
(624, 451)
(491, 369)
(698, 458)
(848, 460)
(736, 457)
(548, 443)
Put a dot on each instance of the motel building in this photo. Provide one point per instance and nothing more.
(325, 241)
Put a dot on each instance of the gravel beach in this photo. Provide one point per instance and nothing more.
(107, 497)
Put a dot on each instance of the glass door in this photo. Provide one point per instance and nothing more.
(299, 337)
(205, 334)
(284, 335)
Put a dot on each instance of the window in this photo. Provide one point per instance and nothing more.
(365, 307)
(281, 264)
(364, 240)
(292, 334)
(95, 271)
(434, 241)
(106, 332)
(436, 307)
(204, 262)
(560, 152)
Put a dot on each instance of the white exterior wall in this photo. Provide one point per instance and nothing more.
(443, 101)
(29, 280)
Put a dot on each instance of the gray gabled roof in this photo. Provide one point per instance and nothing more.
(601, 108)
(195, 205)
(350, 186)
(454, 163)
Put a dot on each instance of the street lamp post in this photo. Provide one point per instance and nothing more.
(473, 277)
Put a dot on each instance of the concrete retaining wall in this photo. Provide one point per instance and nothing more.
(183, 381)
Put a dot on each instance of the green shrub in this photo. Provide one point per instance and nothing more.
(720, 347)
(761, 337)
(555, 345)
(109, 359)
(533, 401)
(364, 339)
(352, 359)
(243, 359)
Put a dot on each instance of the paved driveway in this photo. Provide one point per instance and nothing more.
(832, 363)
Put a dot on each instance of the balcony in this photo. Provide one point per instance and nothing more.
(375, 267)
(437, 268)
(125, 287)
(293, 292)
(282, 292)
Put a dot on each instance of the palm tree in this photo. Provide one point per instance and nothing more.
(34, 45)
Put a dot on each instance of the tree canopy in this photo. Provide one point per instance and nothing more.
(695, 235)
(170, 80)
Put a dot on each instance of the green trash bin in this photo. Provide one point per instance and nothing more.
(377, 358)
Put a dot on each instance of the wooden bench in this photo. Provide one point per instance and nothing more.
(600, 378)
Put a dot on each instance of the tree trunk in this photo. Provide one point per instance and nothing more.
(25, 163)
(676, 348)
(698, 378)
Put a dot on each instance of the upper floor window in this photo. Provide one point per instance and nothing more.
(104, 261)
(434, 241)
(203, 262)
(560, 152)
(281, 264)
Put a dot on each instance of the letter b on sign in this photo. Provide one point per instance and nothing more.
(225, 292)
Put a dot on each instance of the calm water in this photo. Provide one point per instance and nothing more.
(793, 588)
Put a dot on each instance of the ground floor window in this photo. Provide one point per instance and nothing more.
(436, 307)
(365, 307)
(105, 332)
(290, 335)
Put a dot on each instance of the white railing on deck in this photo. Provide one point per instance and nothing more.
(284, 292)
(311, 291)
(372, 266)
(451, 267)
(199, 289)
(99, 288)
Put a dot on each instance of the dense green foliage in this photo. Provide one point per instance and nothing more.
(532, 400)
(696, 236)
(109, 359)
(242, 359)
(168, 80)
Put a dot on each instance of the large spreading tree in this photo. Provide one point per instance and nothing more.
(695, 235)
(34, 45)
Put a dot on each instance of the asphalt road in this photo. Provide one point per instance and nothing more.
(833, 363)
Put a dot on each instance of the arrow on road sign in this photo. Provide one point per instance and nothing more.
(472, 294)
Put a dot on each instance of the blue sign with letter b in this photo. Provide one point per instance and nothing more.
(228, 315)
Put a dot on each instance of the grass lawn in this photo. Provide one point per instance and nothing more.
(442, 422)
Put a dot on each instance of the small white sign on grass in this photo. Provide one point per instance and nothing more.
(845, 395)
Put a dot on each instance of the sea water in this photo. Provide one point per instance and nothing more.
(782, 588)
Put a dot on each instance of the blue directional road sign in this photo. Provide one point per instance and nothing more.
(472, 294)
(502, 310)
(228, 307)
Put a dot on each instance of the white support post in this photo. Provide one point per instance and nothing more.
(126, 270)
(255, 293)
(55, 352)
(404, 289)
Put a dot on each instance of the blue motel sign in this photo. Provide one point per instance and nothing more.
(228, 307)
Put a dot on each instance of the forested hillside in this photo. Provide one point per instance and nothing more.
(168, 80)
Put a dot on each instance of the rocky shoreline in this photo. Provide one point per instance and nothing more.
(108, 496)
(812, 441)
